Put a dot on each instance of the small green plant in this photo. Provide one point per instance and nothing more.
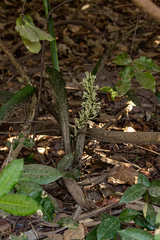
(111, 226)
(140, 69)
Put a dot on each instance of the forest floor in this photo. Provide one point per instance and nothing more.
(80, 46)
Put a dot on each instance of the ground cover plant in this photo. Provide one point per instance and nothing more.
(70, 165)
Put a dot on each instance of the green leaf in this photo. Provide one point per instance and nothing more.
(143, 180)
(131, 96)
(128, 214)
(106, 89)
(34, 191)
(157, 236)
(146, 79)
(41, 174)
(65, 162)
(108, 227)
(10, 176)
(109, 89)
(158, 216)
(123, 59)
(21, 237)
(142, 222)
(148, 64)
(27, 29)
(28, 142)
(149, 213)
(74, 173)
(135, 234)
(92, 235)
(127, 71)
(33, 47)
(123, 85)
(18, 204)
(154, 189)
(133, 193)
(157, 94)
(68, 222)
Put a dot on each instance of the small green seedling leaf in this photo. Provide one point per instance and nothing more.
(10, 176)
(65, 162)
(28, 142)
(148, 64)
(41, 174)
(127, 71)
(133, 193)
(123, 59)
(109, 89)
(108, 227)
(68, 222)
(129, 214)
(135, 234)
(18, 204)
(149, 213)
(123, 85)
(143, 180)
(154, 189)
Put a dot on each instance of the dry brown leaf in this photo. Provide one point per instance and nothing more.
(123, 175)
(74, 234)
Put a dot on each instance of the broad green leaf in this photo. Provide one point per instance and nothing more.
(34, 191)
(123, 59)
(154, 189)
(149, 213)
(33, 47)
(68, 222)
(133, 193)
(157, 235)
(74, 173)
(143, 223)
(143, 180)
(133, 97)
(41, 174)
(27, 29)
(108, 228)
(158, 96)
(10, 176)
(127, 71)
(146, 79)
(158, 216)
(21, 237)
(18, 204)
(65, 162)
(47, 207)
(123, 85)
(135, 234)
(92, 235)
(148, 64)
(128, 214)
(28, 142)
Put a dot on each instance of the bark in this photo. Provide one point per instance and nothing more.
(149, 7)
(124, 137)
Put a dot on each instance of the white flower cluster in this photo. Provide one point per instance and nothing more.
(90, 106)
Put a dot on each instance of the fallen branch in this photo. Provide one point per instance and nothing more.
(149, 7)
